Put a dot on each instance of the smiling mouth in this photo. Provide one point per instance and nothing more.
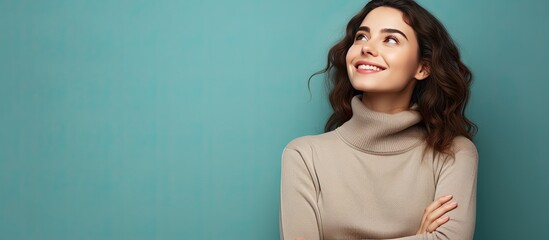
(369, 67)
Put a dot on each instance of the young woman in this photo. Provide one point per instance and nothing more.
(397, 160)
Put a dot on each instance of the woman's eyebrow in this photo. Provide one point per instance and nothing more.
(385, 30)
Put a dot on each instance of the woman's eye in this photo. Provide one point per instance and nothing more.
(391, 40)
(361, 37)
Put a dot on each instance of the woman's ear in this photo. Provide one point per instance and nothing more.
(423, 71)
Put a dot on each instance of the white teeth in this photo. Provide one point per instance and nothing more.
(369, 67)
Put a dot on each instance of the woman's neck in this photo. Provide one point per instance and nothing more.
(390, 103)
(378, 132)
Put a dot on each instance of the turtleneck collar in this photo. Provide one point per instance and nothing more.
(381, 133)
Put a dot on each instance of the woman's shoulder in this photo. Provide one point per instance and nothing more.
(311, 141)
(462, 158)
(463, 155)
(461, 144)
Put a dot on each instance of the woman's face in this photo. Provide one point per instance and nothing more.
(384, 55)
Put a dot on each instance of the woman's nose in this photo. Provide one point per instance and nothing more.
(368, 49)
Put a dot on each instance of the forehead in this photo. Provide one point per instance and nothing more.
(386, 17)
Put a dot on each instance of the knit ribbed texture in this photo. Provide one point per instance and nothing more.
(381, 133)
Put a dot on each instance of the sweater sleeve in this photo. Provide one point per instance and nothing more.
(299, 216)
(458, 177)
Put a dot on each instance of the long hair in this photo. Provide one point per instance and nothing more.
(441, 97)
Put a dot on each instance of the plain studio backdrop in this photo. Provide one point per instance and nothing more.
(166, 119)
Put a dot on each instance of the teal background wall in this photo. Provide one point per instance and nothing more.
(166, 119)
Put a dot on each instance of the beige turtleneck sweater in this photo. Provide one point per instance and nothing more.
(372, 178)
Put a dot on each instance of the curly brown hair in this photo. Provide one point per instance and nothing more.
(441, 97)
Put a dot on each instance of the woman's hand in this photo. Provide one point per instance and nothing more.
(432, 217)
